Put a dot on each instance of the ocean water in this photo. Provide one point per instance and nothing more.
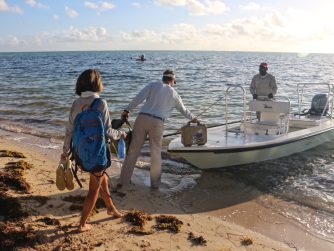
(37, 90)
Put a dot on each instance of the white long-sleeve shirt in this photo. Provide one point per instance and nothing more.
(161, 99)
(78, 105)
(263, 85)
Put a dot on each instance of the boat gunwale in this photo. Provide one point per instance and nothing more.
(246, 147)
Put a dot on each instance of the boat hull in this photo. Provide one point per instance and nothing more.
(216, 157)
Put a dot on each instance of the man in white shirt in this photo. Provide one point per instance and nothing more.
(161, 99)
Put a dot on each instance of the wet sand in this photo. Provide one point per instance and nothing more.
(228, 215)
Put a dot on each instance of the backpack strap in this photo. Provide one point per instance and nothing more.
(95, 104)
(74, 168)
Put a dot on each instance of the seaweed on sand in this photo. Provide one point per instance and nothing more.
(196, 240)
(246, 241)
(139, 231)
(7, 153)
(18, 168)
(11, 208)
(13, 236)
(170, 223)
(13, 181)
(49, 221)
(137, 217)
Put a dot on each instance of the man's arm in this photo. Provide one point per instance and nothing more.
(181, 108)
(273, 85)
(252, 87)
(139, 98)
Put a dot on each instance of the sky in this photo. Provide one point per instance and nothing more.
(302, 26)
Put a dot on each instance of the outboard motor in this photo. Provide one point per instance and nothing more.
(319, 105)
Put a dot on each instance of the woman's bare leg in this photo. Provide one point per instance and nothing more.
(105, 195)
(89, 203)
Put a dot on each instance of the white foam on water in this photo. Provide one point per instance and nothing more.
(45, 146)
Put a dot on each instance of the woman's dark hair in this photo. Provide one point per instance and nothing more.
(89, 80)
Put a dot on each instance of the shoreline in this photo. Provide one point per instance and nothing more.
(213, 206)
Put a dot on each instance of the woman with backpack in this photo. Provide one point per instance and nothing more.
(88, 87)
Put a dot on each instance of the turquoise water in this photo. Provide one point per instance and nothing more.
(37, 90)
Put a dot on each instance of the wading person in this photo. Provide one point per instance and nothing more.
(160, 99)
(88, 87)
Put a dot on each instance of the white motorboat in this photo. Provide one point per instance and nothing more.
(274, 133)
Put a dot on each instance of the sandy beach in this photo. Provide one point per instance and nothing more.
(216, 212)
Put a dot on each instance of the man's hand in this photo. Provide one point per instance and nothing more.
(254, 96)
(63, 156)
(123, 134)
(270, 95)
(194, 120)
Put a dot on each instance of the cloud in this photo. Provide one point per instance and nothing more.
(4, 7)
(71, 38)
(106, 6)
(91, 5)
(178, 34)
(90, 34)
(136, 4)
(252, 7)
(34, 3)
(101, 6)
(10, 40)
(197, 7)
(274, 31)
(70, 12)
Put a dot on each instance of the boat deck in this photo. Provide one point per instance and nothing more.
(217, 138)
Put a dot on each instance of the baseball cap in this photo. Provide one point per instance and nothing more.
(265, 65)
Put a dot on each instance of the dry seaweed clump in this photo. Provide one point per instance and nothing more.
(246, 241)
(196, 240)
(137, 217)
(7, 153)
(10, 208)
(139, 231)
(18, 167)
(13, 236)
(13, 181)
(170, 223)
(49, 221)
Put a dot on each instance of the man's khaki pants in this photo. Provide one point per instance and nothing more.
(154, 128)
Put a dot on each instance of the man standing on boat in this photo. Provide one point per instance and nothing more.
(161, 99)
(263, 85)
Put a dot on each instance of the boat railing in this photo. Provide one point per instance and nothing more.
(329, 92)
(267, 116)
(229, 89)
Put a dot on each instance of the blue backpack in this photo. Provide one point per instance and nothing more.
(89, 146)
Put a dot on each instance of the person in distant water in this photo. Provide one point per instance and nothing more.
(161, 99)
(263, 85)
(88, 88)
(142, 57)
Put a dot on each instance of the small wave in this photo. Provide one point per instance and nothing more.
(23, 128)
(45, 146)
(35, 104)
(11, 112)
